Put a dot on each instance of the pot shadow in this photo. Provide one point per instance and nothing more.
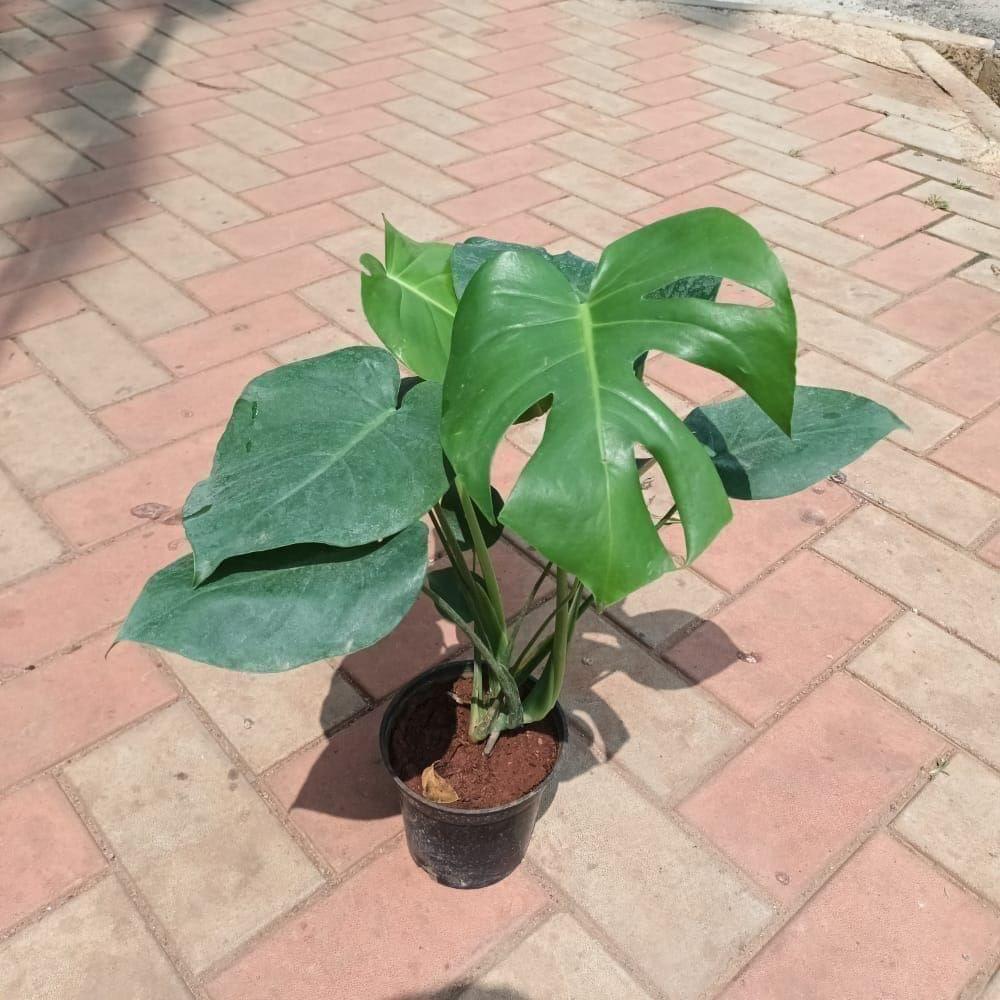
(347, 779)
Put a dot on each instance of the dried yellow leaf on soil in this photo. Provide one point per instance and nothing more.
(436, 788)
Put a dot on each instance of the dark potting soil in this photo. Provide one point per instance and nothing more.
(433, 729)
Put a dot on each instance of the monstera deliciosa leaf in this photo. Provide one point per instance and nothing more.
(272, 611)
(319, 451)
(410, 301)
(756, 461)
(469, 256)
(522, 333)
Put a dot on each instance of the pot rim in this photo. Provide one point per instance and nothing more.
(389, 718)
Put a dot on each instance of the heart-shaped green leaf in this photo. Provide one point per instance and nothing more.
(521, 333)
(275, 610)
(410, 301)
(756, 461)
(317, 451)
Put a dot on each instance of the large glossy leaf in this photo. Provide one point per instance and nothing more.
(522, 333)
(276, 610)
(410, 302)
(469, 256)
(317, 451)
(756, 461)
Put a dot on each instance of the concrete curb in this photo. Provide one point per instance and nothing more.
(903, 30)
(969, 98)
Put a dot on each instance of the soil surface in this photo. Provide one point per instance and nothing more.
(434, 729)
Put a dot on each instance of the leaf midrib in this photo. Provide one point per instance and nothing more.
(333, 459)
(420, 294)
(590, 360)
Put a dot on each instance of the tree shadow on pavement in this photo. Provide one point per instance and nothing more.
(132, 62)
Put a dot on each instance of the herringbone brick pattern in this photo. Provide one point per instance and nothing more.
(786, 764)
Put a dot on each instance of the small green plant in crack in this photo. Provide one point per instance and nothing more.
(959, 185)
(936, 201)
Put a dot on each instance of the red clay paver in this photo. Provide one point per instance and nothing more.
(150, 487)
(179, 408)
(833, 122)
(842, 755)
(414, 917)
(263, 277)
(913, 262)
(46, 304)
(887, 924)
(339, 794)
(90, 593)
(865, 183)
(768, 645)
(820, 95)
(231, 335)
(887, 220)
(57, 709)
(691, 381)
(308, 189)
(44, 850)
(850, 150)
(974, 452)
(688, 172)
(14, 363)
(761, 532)
(966, 378)
(944, 313)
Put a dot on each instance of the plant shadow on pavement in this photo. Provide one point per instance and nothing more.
(332, 788)
(138, 63)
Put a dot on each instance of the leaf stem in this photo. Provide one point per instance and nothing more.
(528, 650)
(484, 610)
(526, 607)
(666, 517)
(456, 619)
(481, 549)
(544, 694)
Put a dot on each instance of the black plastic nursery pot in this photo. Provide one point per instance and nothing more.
(464, 848)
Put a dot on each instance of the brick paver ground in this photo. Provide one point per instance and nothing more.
(785, 768)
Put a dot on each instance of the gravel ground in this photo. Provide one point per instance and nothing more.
(974, 17)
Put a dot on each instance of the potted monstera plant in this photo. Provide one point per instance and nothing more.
(310, 536)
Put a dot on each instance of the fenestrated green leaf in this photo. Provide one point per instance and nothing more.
(410, 301)
(701, 286)
(522, 333)
(756, 461)
(317, 451)
(276, 610)
(469, 256)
